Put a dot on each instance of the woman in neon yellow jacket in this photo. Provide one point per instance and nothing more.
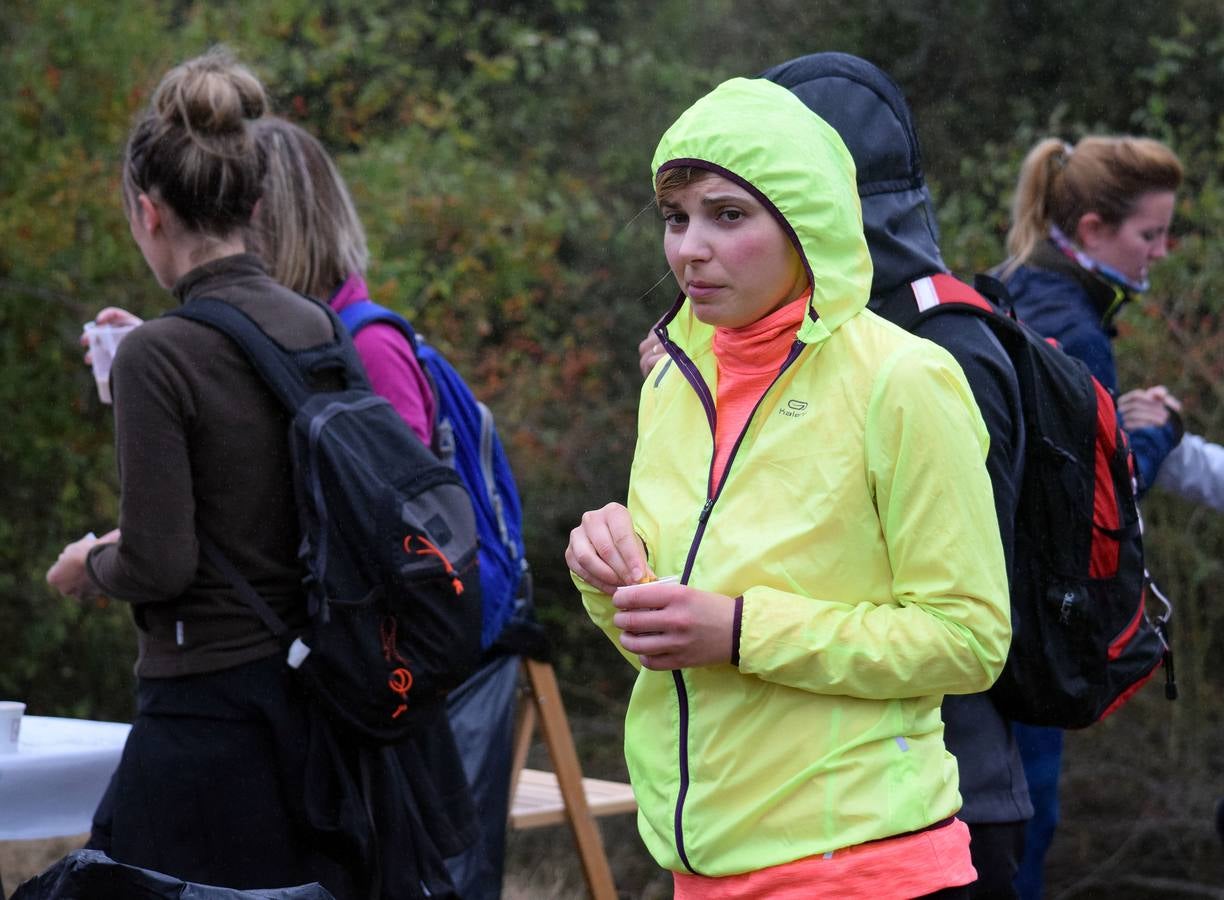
(815, 477)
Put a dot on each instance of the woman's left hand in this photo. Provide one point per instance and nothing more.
(1147, 407)
(674, 626)
(109, 315)
(68, 575)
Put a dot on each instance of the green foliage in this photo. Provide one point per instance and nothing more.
(64, 252)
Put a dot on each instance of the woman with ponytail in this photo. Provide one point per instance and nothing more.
(1087, 223)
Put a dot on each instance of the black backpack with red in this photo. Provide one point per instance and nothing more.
(1082, 640)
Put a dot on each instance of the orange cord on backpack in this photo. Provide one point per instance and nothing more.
(400, 679)
(399, 682)
(431, 549)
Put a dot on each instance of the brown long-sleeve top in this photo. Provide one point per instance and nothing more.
(202, 446)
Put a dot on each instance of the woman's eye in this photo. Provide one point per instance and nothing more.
(731, 215)
(674, 219)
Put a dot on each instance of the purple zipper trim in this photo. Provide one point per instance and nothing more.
(683, 363)
(736, 624)
(682, 695)
(699, 385)
(715, 493)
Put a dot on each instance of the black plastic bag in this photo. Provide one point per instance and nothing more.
(92, 875)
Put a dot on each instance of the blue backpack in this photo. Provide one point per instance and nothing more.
(465, 439)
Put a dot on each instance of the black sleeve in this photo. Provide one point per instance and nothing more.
(993, 382)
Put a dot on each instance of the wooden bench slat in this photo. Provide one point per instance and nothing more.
(538, 800)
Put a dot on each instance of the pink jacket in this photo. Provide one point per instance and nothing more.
(392, 366)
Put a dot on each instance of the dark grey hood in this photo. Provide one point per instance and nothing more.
(869, 112)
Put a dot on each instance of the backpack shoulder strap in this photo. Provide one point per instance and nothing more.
(940, 294)
(357, 316)
(291, 374)
(273, 362)
(945, 290)
(282, 371)
(238, 581)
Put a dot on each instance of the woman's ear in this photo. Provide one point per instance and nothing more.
(1090, 229)
(149, 213)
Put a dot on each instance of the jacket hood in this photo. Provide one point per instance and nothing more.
(761, 136)
(869, 112)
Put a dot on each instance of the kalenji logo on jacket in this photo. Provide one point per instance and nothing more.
(794, 408)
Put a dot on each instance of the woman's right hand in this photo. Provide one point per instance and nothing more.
(605, 552)
(110, 315)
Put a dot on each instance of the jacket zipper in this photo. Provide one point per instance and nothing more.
(691, 374)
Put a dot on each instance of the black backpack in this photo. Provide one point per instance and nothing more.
(388, 539)
(1082, 641)
(466, 439)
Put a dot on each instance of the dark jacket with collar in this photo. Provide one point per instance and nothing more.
(1060, 299)
(869, 112)
(201, 446)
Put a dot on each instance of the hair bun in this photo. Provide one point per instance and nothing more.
(211, 95)
(195, 145)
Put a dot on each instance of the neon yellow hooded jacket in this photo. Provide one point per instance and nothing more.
(855, 519)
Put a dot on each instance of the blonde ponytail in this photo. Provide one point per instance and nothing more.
(1059, 184)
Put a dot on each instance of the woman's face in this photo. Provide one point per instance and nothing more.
(1138, 241)
(729, 254)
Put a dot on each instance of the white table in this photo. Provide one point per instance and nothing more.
(52, 784)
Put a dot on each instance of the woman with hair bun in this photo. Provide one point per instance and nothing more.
(1088, 221)
(229, 776)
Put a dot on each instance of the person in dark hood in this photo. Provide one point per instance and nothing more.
(867, 109)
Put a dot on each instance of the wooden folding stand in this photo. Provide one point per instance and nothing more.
(550, 798)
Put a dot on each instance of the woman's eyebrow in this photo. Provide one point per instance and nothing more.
(714, 199)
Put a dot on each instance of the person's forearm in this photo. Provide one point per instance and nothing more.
(1195, 471)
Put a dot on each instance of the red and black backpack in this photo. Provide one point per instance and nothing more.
(1082, 640)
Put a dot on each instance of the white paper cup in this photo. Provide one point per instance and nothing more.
(11, 712)
(103, 342)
